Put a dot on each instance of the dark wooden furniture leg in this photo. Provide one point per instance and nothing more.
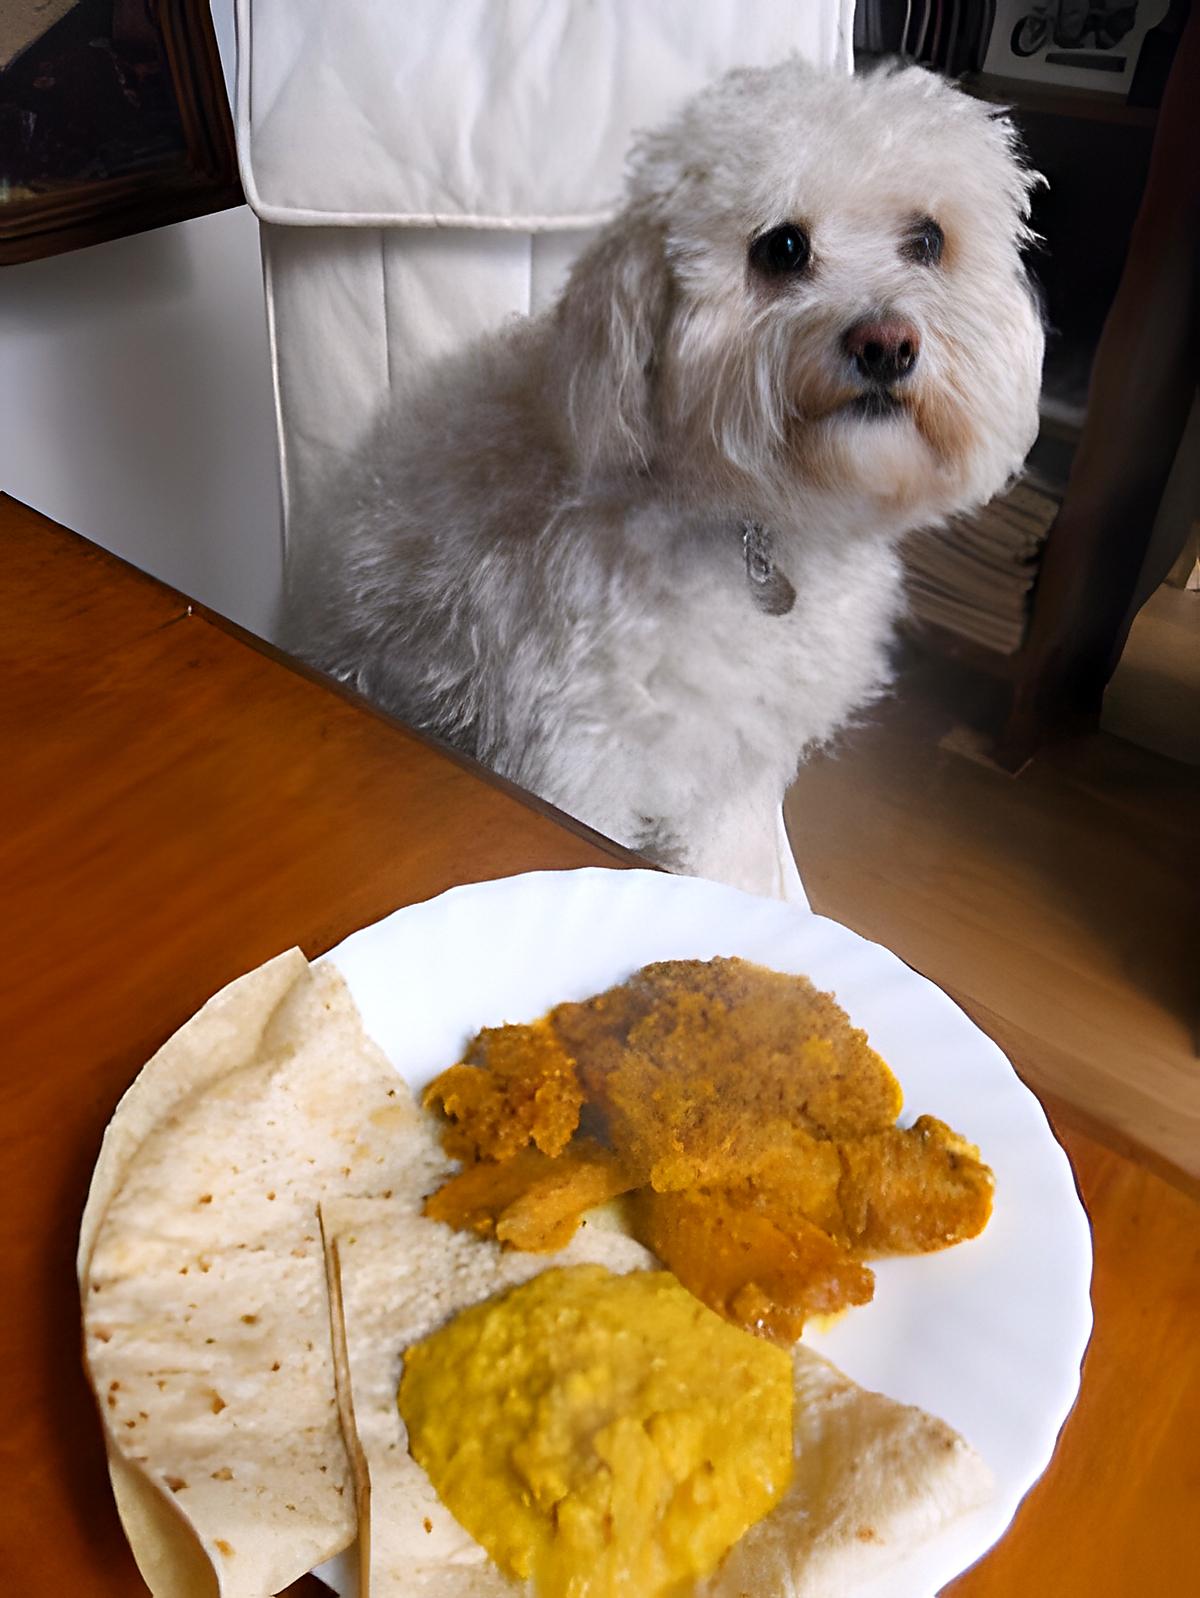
(1092, 581)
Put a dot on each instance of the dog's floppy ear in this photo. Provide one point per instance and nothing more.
(607, 327)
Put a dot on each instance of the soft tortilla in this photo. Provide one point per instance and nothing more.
(396, 1277)
(873, 1478)
(206, 1318)
(224, 1035)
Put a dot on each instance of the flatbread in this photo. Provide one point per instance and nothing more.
(222, 1036)
(397, 1277)
(873, 1478)
(206, 1317)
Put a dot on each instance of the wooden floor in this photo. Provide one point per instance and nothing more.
(1060, 908)
(1154, 699)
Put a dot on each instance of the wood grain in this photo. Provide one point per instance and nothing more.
(177, 807)
(1114, 1515)
(1061, 908)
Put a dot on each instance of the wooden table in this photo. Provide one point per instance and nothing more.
(180, 804)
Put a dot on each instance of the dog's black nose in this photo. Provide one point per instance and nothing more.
(884, 350)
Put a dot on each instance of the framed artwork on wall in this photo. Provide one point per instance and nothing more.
(113, 119)
(1081, 44)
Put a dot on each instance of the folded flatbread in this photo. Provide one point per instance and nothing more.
(873, 1478)
(206, 1316)
(395, 1277)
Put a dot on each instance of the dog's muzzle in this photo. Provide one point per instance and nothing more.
(884, 350)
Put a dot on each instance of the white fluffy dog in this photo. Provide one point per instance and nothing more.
(639, 553)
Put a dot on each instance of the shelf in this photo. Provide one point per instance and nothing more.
(1056, 99)
(941, 641)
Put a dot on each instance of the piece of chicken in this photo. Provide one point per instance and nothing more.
(516, 1085)
(743, 1265)
(701, 1067)
(530, 1202)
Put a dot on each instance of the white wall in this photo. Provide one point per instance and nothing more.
(136, 402)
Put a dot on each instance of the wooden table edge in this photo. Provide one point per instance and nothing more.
(192, 609)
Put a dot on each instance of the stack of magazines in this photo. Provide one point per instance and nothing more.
(974, 576)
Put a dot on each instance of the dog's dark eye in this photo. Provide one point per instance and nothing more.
(783, 250)
(925, 243)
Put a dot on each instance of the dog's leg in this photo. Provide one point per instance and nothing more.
(746, 845)
(789, 873)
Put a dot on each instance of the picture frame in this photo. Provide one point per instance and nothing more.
(1092, 45)
(114, 119)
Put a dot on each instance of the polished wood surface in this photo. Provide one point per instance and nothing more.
(178, 806)
(1060, 908)
(1114, 1515)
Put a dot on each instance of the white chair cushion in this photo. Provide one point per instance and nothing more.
(512, 114)
(428, 168)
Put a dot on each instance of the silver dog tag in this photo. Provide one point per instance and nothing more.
(769, 588)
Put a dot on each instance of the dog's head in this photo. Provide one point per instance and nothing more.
(816, 286)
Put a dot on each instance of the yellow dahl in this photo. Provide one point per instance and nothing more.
(602, 1434)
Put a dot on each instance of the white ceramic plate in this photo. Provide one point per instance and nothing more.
(988, 1335)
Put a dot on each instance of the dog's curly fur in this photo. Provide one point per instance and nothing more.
(538, 554)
